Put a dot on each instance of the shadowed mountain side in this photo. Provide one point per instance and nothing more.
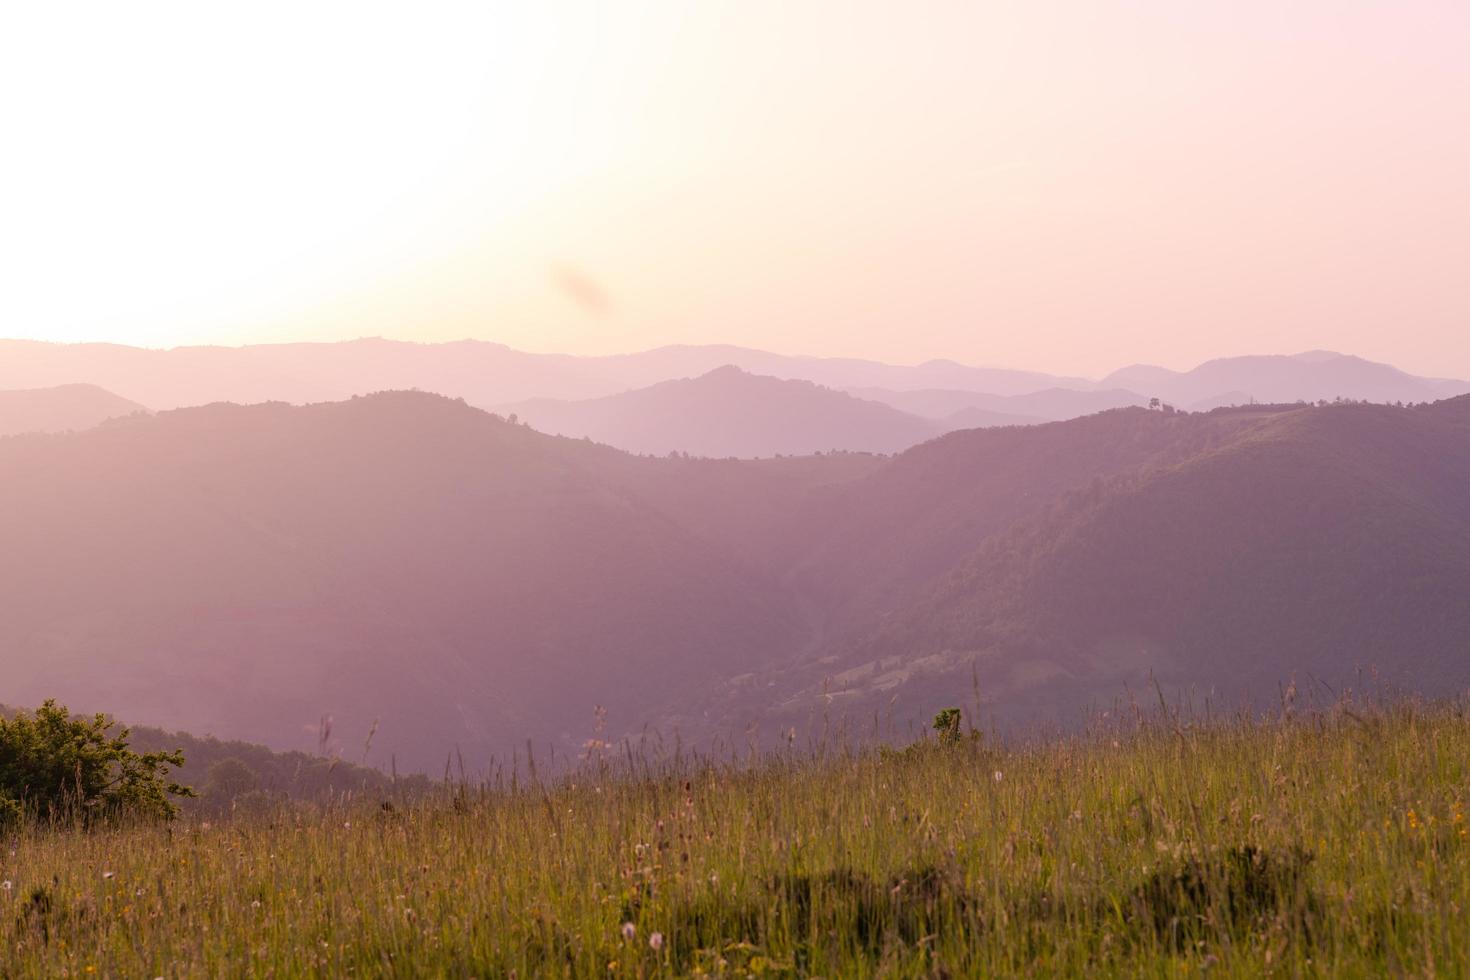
(884, 537)
(400, 557)
(61, 409)
(728, 412)
(1317, 543)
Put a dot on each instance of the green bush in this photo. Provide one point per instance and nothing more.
(947, 726)
(55, 766)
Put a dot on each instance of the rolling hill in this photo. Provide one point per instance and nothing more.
(60, 409)
(729, 412)
(466, 583)
(400, 558)
(1327, 544)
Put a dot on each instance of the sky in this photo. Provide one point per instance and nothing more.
(1059, 186)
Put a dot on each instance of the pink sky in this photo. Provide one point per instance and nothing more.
(1065, 186)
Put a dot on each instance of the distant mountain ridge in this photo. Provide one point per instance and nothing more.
(1310, 376)
(488, 375)
(484, 374)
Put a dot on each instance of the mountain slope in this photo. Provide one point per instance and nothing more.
(728, 412)
(60, 409)
(467, 583)
(1315, 543)
(891, 533)
(400, 558)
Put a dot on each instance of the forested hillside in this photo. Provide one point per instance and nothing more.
(465, 583)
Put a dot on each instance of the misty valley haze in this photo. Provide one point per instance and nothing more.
(670, 489)
(465, 582)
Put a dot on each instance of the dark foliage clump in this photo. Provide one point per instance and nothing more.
(57, 767)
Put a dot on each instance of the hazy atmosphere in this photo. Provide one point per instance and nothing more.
(699, 489)
(1058, 186)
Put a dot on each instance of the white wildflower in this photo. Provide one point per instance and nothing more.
(629, 931)
(656, 940)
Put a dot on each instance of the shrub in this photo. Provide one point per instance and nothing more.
(947, 725)
(53, 765)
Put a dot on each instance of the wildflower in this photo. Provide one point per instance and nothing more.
(109, 874)
(656, 941)
(6, 885)
(999, 775)
(629, 931)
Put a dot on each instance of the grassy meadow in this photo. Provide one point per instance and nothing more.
(1326, 844)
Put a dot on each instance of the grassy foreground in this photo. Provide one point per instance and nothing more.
(1333, 845)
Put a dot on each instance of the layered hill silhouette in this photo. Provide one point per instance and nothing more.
(484, 374)
(729, 412)
(60, 409)
(488, 375)
(467, 583)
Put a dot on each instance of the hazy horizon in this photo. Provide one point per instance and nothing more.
(666, 488)
(1056, 188)
(1042, 369)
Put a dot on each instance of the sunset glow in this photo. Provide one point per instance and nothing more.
(1064, 186)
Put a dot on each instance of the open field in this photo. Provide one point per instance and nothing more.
(1329, 844)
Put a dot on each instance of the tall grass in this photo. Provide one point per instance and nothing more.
(1333, 844)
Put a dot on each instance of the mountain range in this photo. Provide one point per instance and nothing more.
(408, 563)
(701, 400)
(487, 374)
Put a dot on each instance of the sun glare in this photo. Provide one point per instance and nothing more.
(194, 168)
